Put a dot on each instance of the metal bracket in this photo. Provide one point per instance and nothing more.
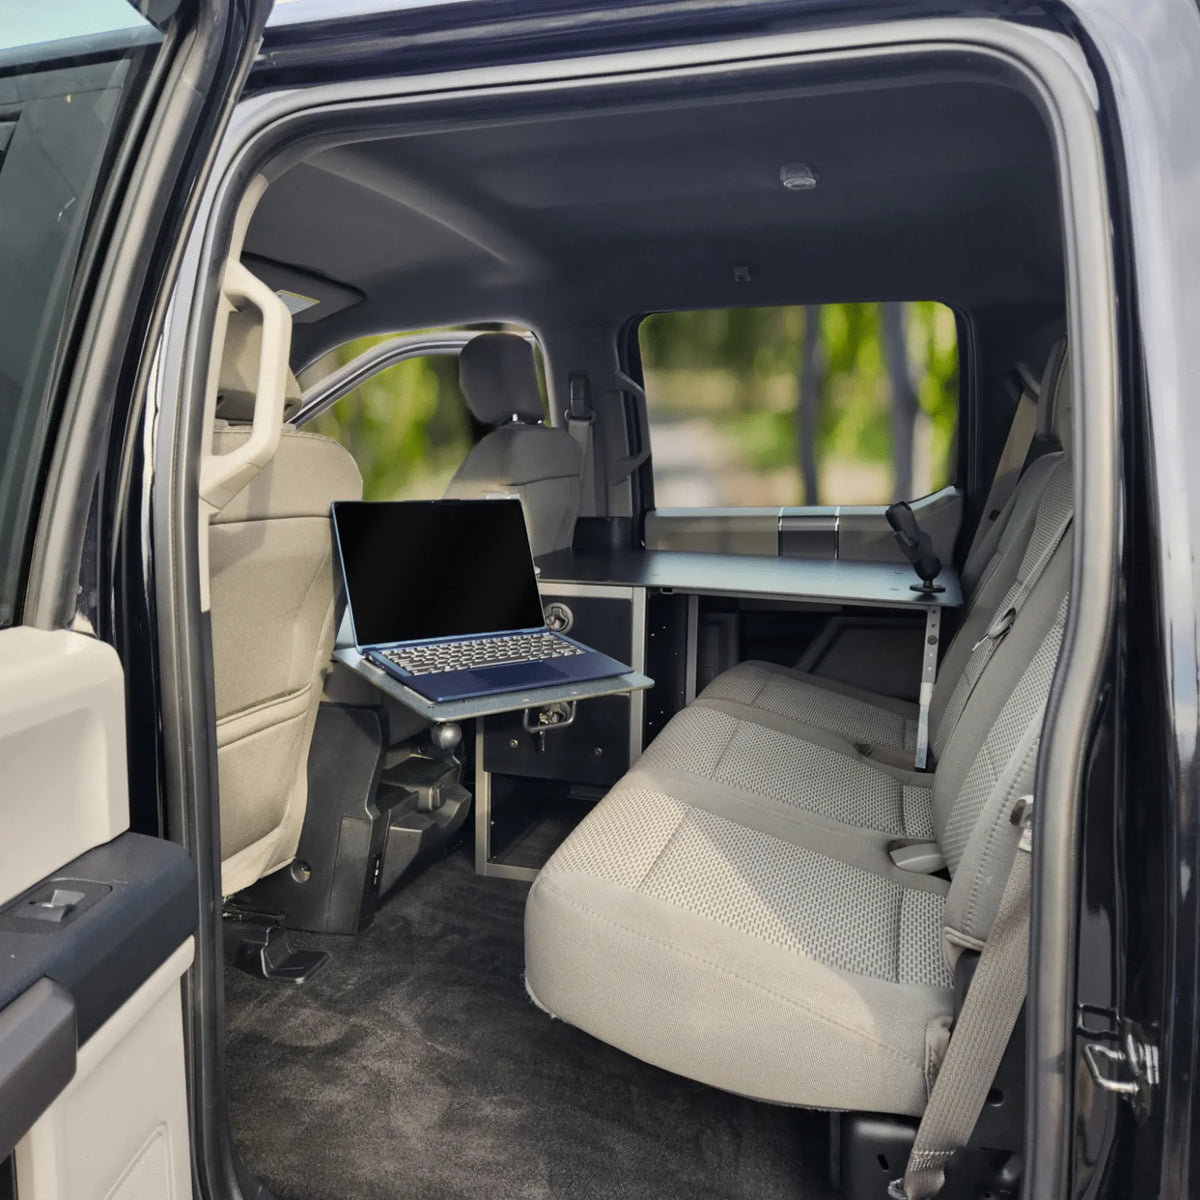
(549, 717)
(1129, 1069)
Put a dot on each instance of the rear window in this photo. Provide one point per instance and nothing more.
(825, 404)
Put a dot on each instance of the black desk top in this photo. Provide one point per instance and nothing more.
(835, 581)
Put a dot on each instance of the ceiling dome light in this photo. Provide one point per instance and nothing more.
(798, 177)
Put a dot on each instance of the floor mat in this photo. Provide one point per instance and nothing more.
(414, 1065)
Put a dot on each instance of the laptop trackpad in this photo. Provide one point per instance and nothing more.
(520, 675)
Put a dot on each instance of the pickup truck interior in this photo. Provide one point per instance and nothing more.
(707, 938)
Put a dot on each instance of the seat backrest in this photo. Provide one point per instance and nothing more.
(1006, 549)
(520, 456)
(272, 586)
(989, 758)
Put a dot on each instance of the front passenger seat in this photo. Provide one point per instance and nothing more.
(520, 456)
(271, 575)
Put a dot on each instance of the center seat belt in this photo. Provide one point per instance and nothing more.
(1033, 564)
(1013, 460)
(581, 424)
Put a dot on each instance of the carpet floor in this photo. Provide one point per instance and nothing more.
(414, 1065)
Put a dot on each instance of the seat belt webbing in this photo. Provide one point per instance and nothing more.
(1008, 470)
(581, 421)
(981, 1033)
(1010, 607)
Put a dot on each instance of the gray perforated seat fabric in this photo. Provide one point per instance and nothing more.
(520, 456)
(792, 765)
(730, 911)
(864, 719)
(715, 941)
(855, 713)
(754, 935)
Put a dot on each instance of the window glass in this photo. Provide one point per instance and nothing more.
(60, 127)
(407, 427)
(828, 404)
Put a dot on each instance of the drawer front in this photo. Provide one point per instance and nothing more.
(594, 749)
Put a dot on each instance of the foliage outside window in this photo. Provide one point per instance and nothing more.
(407, 427)
(826, 404)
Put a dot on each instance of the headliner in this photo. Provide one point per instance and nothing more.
(928, 189)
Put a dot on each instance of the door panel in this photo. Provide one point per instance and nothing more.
(62, 737)
(95, 935)
(99, 926)
(120, 1129)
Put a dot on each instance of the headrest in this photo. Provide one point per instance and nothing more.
(498, 377)
(238, 376)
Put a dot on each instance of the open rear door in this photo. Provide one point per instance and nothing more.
(108, 110)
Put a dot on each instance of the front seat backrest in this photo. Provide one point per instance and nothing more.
(520, 456)
(271, 574)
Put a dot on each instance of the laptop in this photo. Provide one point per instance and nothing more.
(443, 596)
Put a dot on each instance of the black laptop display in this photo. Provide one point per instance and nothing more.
(443, 595)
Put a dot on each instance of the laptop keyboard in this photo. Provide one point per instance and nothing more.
(480, 652)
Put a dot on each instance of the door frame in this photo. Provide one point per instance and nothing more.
(1052, 71)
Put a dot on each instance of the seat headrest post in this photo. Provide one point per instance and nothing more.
(497, 373)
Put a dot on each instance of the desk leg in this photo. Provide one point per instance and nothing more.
(929, 665)
(690, 667)
(483, 822)
(637, 700)
(483, 805)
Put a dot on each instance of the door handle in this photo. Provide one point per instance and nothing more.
(37, 1057)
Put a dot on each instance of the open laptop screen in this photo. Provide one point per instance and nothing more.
(436, 568)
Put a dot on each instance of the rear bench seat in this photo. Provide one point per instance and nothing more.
(732, 910)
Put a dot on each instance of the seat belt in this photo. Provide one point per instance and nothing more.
(581, 422)
(981, 1033)
(1037, 557)
(1012, 461)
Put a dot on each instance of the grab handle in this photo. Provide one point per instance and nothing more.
(222, 476)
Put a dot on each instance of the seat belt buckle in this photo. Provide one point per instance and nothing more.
(579, 401)
(1022, 818)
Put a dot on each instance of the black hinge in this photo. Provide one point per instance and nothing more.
(1119, 1056)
